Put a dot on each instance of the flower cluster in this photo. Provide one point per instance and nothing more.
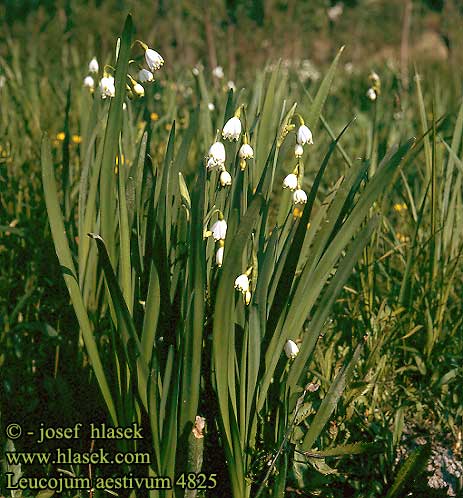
(107, 87)
(294, 179)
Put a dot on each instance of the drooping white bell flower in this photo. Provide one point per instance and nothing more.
(290, 182)
(225, 179)
(89, 82)
(291, 349)
(93, 66)
(246, 152)
(232, 129)
(299, 197)
(153, 59)
(304, 135)
(219, 229)
(242, 283)
(107, 87)
(218, 72)
(145, 76)
(247, 298)
(371, 94)
(217, 154)
(298, 150)
(211, 106)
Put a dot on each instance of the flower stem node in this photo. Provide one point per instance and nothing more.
(304, 135)
(145, 76)
(219, 228)
(290, 182)
(225, 179)
(216, 155)
(232, 129)
(299, 197)
(153, 59)
(291, 349)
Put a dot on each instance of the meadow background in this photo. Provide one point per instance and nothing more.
(403, 299)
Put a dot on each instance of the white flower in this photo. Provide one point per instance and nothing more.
(145, 76)
(290, 182)
(246, 151)
(298, 150)
(219, 256)
(218, 72)
(153, 59)
(247, 298)
(89, 82)
(371, 94)
(231, 85)
(299, 197)
(211, 106)
(304, 135)
(291, 349)
(93, 66)
(242, 283)
(195, 71)
(219, 230)
(217, 154)
(138, 90)
(107, 87)
(225, 179)
(232, 129)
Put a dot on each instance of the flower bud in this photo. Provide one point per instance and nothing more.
(371, 94)
(219, 256)
(298, 150)
(89, 83)
(225, 179)
(138, 90)
(93, 66)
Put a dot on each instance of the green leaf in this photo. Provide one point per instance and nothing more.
(67, 265)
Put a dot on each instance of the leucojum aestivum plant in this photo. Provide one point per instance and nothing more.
(202, 299)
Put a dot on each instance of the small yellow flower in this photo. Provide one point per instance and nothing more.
(400, 207)
(297, 213)
(154, 116)
(117, 159)
(60, 136)
(77, 139)
(168, 127)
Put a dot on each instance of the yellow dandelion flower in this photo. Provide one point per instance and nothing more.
(77, 139)
(154, 116)
(168, 127)
(60, 136)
